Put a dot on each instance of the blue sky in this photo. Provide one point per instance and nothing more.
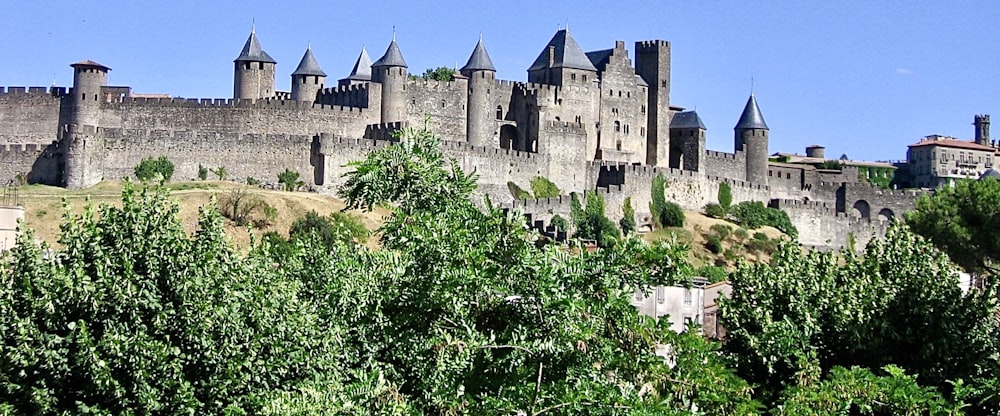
(859, 77)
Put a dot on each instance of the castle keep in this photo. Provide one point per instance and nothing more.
(584, 120)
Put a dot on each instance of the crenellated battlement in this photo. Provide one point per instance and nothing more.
(454, 84)
(489, 152)
(383, 131)
(33, 91)
(233, 103)
(24, 148)
(720, 155)
(653, 43)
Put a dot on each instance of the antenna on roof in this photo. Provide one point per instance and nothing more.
(253, 25)
(751, 86)
(393, 33)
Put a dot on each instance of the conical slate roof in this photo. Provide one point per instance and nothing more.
(687, 120)
(308, 65)
(751, 118)
(362, 70)
(567, 54)
(480, 59)
(253, 52)
(392, 57)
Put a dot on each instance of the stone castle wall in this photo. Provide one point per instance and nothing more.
(29, 115)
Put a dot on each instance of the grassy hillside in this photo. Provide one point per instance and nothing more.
(44, 206)
(736, 245)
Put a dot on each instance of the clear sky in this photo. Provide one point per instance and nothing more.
(864, 78)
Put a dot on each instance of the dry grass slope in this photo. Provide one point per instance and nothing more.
(44, 206)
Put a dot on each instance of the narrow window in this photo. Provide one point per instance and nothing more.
(618, 126)
(499, 113)
(687, 297)
(661, 296)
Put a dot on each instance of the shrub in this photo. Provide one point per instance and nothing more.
(149, 168)
(270, 215)
(714, 243)
(628, 217)
(252, 181)
(202, 172)
(221, 173)
(672, 215)
(721, 230)
(544, 188)
(340, 227)
(289, 180)
(779, 219)
(714, 274)
(750, 214)
(760, 243)
(725, 195)
(239, 205)
(517, 192)
(741, 234)
(559, 223)
(715, 210)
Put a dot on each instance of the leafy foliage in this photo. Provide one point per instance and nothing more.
(725, 195)
(289, 180)
(964, 221)
(753, 214)
(592, 224)
(221, 173)
(900, 304)
(628, 217)
(541, 187)
(202, 172)
(560, 223)
(340, 227)
(665, 214)
(715, 210)
(517, 192)
(440, 73)
(131, 316)
(714, 274)
(151, 168)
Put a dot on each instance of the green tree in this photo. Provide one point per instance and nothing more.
(899, 304)
(658, 199)
(221, 173)
(963, 221)
(628, 217)
(594, 225)
(440, 73)
(151, 168)
(541, 187)
(202, 172)
(137, 317)
(725, 195)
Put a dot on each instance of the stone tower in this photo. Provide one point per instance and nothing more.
(480, 119)
(254, 71)
(982, 123)
(751, 138)
(652, 63)
(84, 150)
(687, 141)
(362, 71)
(390, 71)
(88, 79)
(308, 78)
(562, 62)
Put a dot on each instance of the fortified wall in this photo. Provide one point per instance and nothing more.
(585, 121)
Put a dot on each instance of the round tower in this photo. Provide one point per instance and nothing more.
(308, 78)
(751, 138)
(480, 117)
(390, 71)
(88, 79)
(254, 71)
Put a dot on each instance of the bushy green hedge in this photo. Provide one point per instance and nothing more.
(753, 214)
(150, 167)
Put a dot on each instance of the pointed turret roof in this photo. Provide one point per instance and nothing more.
(687, 120)
(567, 54)
(308, 65)
(392, 57)
(362, 70)
(751, 118)
(253, 52)
(480, 59)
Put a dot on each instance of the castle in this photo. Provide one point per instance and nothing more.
(585, 121)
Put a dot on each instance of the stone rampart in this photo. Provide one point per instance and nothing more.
(443, 101)
(31, 162)
(821, 225)
(727, 165)
(29, 114)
